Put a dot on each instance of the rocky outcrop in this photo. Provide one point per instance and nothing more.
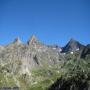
(86, 51)
(33, 55)
(27, 64)
(73, 46)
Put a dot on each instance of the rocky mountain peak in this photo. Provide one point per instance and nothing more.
(17, 40)
(32, 40)
(23, 64)
(72, 45)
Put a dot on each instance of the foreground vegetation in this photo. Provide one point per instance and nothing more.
(69, 75)
(76, 76)
(73, 75)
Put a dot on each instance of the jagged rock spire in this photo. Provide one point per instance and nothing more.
(17, 40)
(72, 45)
(32, 40)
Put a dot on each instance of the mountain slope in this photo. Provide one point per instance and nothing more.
(76, 77)
(72, 46)
(34, 66)
(86, 52)
(19, 61)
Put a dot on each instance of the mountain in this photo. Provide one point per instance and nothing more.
(76, 76)
(86, 52)
(31, 55)
(17, 40)
(33, 40)
(72, 46)
(55, 47)
(20, 61)
(35, 66)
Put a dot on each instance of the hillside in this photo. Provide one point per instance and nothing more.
(36, 66)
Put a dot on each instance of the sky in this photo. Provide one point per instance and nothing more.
(52, 21)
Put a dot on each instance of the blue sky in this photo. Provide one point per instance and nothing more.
(52, 21)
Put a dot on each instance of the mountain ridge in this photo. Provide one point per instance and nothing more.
(33, 62)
